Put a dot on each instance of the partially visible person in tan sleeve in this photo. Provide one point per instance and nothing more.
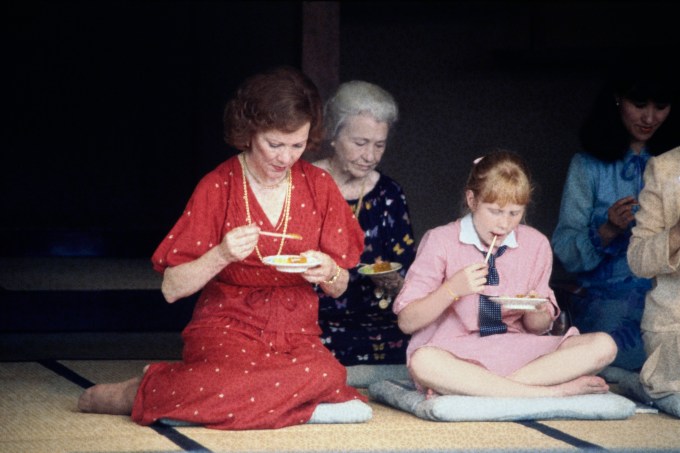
(654, 252)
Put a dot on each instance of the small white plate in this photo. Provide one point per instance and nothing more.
(287, 263)
(519, 303)
(368, 269)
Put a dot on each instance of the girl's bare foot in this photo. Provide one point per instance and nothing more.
(114, 399)
(584, 385)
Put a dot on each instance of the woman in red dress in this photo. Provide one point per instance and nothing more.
(252, 356)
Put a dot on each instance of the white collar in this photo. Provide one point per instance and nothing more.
(468, 235)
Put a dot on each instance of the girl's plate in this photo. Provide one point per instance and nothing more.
(290, 263)
(368, 269)
(519, 303)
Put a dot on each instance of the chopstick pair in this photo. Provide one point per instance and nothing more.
(488, 254)
(280, 235)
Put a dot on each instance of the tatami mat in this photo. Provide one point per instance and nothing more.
(38, 414)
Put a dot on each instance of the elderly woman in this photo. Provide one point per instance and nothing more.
(359, 327)
(252, 357)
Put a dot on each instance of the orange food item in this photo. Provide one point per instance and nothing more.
(297, 259)
(382, 267)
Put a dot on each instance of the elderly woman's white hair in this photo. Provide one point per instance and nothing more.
(357, 97)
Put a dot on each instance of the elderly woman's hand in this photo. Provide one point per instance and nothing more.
(239, 243)
(390, 282)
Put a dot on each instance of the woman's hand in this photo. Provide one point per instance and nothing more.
(621, 213)
(619, 216)
(469, 280)
(187, 278)
(239, 243)
(328, 274)
(324, 272)
(390, 282)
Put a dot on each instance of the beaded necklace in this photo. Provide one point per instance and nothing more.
(357, 208)
(286, 204)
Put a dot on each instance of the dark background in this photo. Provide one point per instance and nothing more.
(115, 112)
(114, 108)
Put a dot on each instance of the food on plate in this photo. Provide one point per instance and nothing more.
(379, 267)
(383, 266)
(296, 259)
(521, 296)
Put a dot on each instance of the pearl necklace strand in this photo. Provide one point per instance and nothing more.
(357, 208)
(286, 203)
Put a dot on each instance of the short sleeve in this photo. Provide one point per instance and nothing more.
(341, 235)
(199, 228)
(427, 272)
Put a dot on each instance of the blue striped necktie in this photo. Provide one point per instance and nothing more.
(490, 312)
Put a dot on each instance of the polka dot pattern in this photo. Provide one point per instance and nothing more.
(252, 357)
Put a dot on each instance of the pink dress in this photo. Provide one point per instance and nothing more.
(252, 355)
(522, 269)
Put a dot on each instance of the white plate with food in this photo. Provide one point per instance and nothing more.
(519, 303)
(382, 268)
(291, 263)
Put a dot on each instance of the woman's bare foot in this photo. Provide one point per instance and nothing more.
(114, 399)
(584, 385)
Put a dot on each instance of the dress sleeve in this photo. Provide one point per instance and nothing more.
(427, 272)
(649, 254)
(341, 235)
(543, 272)
(572, 239)
(398, 232)
(198, 229)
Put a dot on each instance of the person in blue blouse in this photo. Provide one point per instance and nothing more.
(360, 327)
(630, 121)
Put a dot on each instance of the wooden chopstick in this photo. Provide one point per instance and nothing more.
(488, 254)
(279, 235)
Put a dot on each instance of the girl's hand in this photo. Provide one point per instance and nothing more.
(469, 280)
(239, 243)
(538, 321)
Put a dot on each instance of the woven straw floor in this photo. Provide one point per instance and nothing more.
(38, 414)
(38, 394)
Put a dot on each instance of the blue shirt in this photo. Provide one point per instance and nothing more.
(592, 186)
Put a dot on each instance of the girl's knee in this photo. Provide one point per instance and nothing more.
(420, 362)
(606, 345)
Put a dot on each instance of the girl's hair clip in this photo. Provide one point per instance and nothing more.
(476, 161)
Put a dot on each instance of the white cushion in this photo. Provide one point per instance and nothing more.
(453, 408)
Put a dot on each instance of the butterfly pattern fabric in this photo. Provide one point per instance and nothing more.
(358, 326)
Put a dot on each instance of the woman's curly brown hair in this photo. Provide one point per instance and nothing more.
(281, 99)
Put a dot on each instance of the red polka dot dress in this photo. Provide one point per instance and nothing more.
(252, 356)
